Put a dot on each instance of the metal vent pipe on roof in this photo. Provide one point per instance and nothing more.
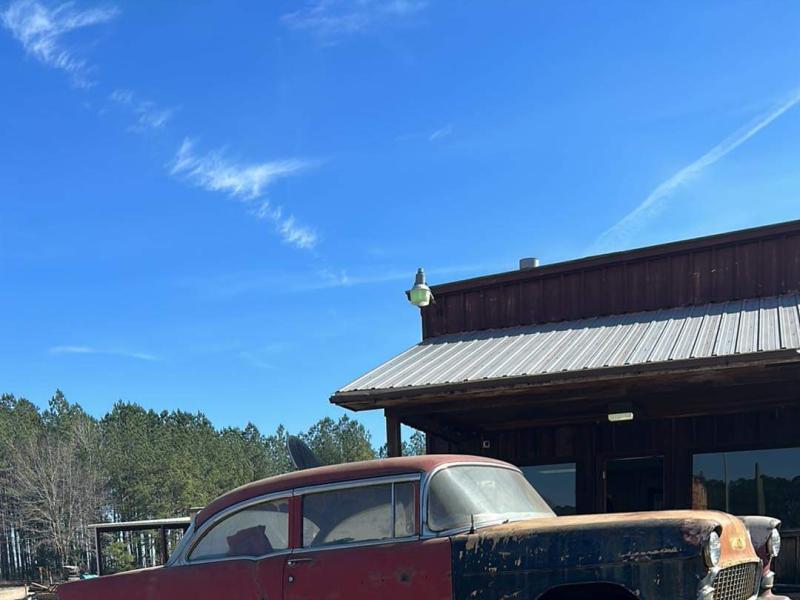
(526, 264)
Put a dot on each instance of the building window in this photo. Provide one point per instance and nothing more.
(754, 482)
(556, 484)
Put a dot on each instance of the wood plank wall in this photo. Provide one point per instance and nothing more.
(734, 267)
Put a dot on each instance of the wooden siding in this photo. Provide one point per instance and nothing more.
(749, 264)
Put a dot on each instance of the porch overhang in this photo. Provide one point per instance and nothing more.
(589, 359)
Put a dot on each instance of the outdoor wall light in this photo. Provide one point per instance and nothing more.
(420, 295)
(620, 412)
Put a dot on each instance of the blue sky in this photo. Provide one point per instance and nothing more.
(216, 207)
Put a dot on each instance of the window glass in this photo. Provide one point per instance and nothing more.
(359, 514)
(556, 484)
(753, 482)
(459, 496)
(404, 505)
(252, 532)
(635, 484)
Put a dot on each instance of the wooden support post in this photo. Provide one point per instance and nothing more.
(98, 551)
(394, 444)
(164, 553)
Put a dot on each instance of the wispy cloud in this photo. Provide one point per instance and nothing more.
(441, 133)
(248, 182)
(93, 350)
(231, 285)
(331, 18)
(624, 229)
(216, 173)
(434, 135)
(148, 115)
(42, 29)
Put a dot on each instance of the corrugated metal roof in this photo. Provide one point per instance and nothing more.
(717, 329)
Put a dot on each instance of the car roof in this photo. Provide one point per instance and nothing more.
(336, 474)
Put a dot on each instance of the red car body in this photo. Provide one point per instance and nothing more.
(413, 528)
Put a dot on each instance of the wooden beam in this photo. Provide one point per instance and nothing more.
(98, 551)
(432, 426)
(164, 552)
(394, 443)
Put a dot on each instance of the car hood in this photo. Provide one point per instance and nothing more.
(614, 538)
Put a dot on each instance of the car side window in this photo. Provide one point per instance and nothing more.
(249, 533)
(359, 514)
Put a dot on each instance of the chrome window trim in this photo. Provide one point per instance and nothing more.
(365, 543)
(198, 534)
(207, 561)
(178, 551)
(425, 531)
(356, 483)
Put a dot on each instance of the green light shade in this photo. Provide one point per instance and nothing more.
(420, 296)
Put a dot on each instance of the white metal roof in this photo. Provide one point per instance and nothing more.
(717, 329)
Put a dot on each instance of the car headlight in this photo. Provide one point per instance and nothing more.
(774, 543)
(713, 550)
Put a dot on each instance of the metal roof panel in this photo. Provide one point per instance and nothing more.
(716, 329)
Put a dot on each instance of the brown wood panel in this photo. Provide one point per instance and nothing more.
(635, 282)
(615, 293)
(564, 442)
(473, 311)
(511, 306)
(572, 295)
(551, 292)
(791, 263)
(749, 276)
(531, 302)
(701, 277)
(734, 267)
(723, 274)
(658, 293)
(768, 269)
(493, 308)
(454, 312)
(433, 319)
(595, 290)
(681, 279)
(786, 566)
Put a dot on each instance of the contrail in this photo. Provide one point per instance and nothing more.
(655, 200)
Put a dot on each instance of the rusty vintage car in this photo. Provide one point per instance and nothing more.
(435, 527)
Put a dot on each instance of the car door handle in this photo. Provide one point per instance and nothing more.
(295, 561)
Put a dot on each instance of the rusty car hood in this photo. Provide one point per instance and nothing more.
(641, 536)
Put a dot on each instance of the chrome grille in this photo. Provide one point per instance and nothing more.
(736, 583)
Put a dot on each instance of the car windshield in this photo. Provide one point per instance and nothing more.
(461, 495)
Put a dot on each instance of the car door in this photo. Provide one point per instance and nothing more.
(362, 543)
(240, 554)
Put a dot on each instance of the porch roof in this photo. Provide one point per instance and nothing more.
(749, 330)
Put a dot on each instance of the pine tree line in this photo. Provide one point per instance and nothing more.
(61, 470)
